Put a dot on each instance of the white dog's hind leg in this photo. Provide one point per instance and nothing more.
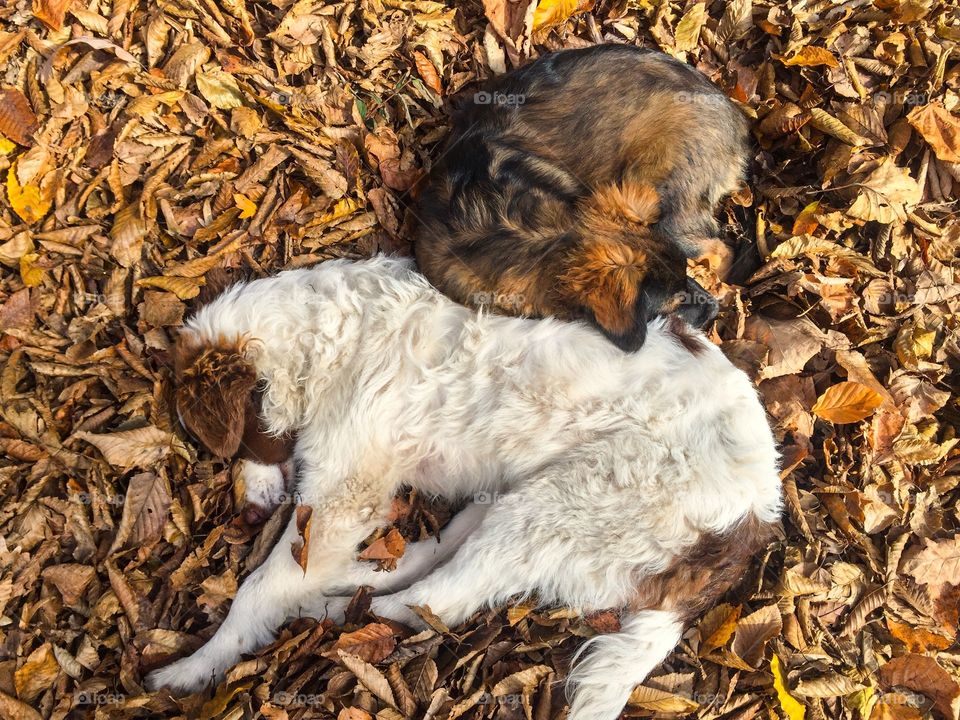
(484, 570)
(418, 559)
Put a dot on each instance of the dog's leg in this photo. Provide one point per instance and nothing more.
(484, 570)
(418, 559)
(262, 603)
(279, 588)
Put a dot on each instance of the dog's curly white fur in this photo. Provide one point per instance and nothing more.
(607, 467)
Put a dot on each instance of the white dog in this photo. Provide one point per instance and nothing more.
(640, 481)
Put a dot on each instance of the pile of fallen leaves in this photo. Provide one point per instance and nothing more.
(143, 144)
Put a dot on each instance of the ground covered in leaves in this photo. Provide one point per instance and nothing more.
(144, 144)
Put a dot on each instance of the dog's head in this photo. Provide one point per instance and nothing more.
(215, 392)
(622, 275)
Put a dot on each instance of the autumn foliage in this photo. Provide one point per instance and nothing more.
(143, 144)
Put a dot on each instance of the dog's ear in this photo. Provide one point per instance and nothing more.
(604, 279)
(604, 273)
(214, 393)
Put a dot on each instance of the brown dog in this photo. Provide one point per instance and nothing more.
(579, 185)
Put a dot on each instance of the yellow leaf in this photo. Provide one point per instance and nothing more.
(717, 627)
(806, 221)
(29, 272)
(847, 402)
(220, 89)
(913, 344)
(248, 207)
(341, 209)
(26, 201)
(794, 710)
(688, 29)
(557, 12)
(6, 146)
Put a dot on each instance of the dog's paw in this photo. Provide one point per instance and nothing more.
(264, 486)
(189, 675)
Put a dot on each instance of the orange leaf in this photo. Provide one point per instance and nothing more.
(557, 12)
(917, 640)
(386, 550)
(806, 221)
(427, 72)
(51, 12)
(847, 402)
(811, 56)
(940, 128)
(301, 547)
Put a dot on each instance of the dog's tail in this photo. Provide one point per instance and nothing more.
(612, 665)
(603, 271)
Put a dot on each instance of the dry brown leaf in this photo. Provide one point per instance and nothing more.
(145, 509)
(371, 643)
(128, 233)
(385, 550)
(523, 680)
(889, 193)
(142, 447)
(371, 678)
(70, 579)
(754, 631)
(17, 119)
(937, 564)
(924, 675)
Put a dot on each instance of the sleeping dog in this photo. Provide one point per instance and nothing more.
(641, 481)
(579, 185)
